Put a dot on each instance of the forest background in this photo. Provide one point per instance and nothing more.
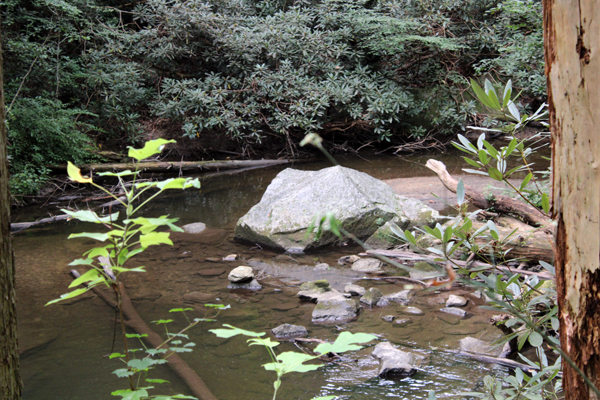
(252, 77)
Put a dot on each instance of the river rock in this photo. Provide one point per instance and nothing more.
(368, 265)
(287, 209)
(333, 307)
(241, 274)
(348, 259)
(354, 290)
(415, 214)
(454, 311)
(198, 297)
(402, 321)
(371, 297)
(402, 297)
(395, 363)
(230, 257)
(196, 227)
(456, 301)
(322, 267)
(310, 291)
(383, 302)
(248, 285)
(287, 331)
(411, 310)
(388, 318)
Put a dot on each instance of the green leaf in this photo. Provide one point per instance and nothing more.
(291, 361)
(483, 157)
(155, 238)
(97, 252)
(545, 203)
(150, 224)
(69, 295)
(507, 93)
(535, 339)
(75, 174)
(472, 162)
(267, 342)
(491, 149)
(448, 234)
(90, 216)
(181, 309)
(346, 341)
(151, 148)
(163, 321)
(460, 192)
(119, 174)
(101, 237)
(481, 95)
(178, 183)
(88, 276)
(129, 394)
(522, 339)
(548, 267)
(233, 331)
(526, 181)
(495, 174)
(82, 261)
(514, 111)
(156, 380)
(141, 364)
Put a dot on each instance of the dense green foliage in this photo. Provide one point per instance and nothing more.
(255, 71)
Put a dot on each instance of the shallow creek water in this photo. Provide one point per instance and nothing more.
(64, 345)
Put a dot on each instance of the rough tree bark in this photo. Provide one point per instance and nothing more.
(572, 47)
(10, 379)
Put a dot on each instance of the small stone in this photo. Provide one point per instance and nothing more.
(333, 307)
(456, 301)
(230, 257)
(241, 274)
(322, 267)
(287, 331)
(185, 254)
(354, 290)
(454, 311)
(371, 297)
(388, 318)
(213, 259)
(310, 291)
(196, 227)
(248, 285)
(348, 260)
(402, 297)
(473, 345)
(368, 265)
(411, 310)
(402, 321)
(395, 363)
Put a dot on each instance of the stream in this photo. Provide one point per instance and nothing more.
(64, 346)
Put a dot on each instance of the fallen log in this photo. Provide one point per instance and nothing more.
(407, 255)
(502, 204)
(175, 166)
(134, 321)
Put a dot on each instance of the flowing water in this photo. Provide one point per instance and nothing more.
(64, 346)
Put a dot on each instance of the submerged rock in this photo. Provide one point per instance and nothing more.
(198, 297)
(282, 218)
(473, 345)
(423, 270)
(454, 311)
(395, 363)
(348, 259)
(287, 331)
(388, 318)
(248, 285)
(371, 297)
(241, 274)
(411, 310)
(333, 307)
(322, 267)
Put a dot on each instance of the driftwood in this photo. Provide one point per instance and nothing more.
(407, 255)
(134, 321)
(175, 166)
(502, 204)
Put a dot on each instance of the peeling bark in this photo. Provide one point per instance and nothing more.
(572, 46)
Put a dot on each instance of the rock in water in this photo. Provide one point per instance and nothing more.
(241, 274)
(368, 265)
(196, 227)
(294, 198)
(395, 363)
(354, 290)
(456, 301)
(333, 307)
(371, 297)
(310, 291)
(287, 331)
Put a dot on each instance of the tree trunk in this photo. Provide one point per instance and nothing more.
(572, 47)
(10, 378)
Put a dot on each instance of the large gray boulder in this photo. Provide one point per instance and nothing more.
(360, 202)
